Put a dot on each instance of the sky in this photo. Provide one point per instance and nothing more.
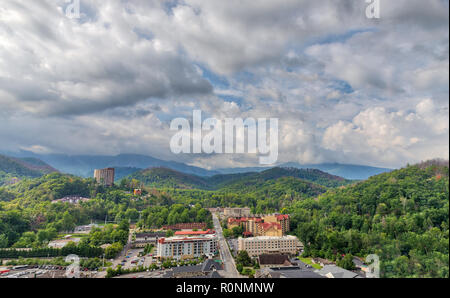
(345, 88)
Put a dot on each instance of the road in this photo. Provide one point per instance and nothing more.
(120, 256)
(230, 270)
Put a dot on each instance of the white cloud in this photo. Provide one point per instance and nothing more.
(391, 137)
(344, 87)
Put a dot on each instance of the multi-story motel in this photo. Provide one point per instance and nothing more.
(263, 225)
(227, 212)
(256, 246)
(186, 226)
(182, 247)
(282, 219)
(105, 176)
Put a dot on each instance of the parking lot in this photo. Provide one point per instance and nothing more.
(45, 271)
(132, 259)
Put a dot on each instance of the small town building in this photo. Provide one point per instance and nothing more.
(273, 260)
(207, 269)
(186, 226)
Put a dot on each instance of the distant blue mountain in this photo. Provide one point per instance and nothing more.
(84, 165)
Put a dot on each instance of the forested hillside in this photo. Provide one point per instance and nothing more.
(12, 169)
(402, 216)
(163, 177)
(28, 218)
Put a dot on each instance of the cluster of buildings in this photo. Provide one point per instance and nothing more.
(142, 239)
(86, 229)
(263, 233)
(261, 225)
(71, 200)
(280, 266)
(233, 212)
(208, 269)
(105, 176)
(60, 243)
(190, 240)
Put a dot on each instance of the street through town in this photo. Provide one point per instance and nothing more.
(230, 270)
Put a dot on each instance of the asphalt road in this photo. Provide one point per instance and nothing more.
(230, 270)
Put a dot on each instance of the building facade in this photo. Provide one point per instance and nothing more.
(234, 212)
(186, 226)
(262, 225)
(181, 247)
(269, 229)
(256, 246)
(105, 176)
(282, 219)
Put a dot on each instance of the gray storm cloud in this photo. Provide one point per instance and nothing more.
(345, 88)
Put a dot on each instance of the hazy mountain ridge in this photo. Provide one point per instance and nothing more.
(84, 165)
(164, 177)
(347, 171)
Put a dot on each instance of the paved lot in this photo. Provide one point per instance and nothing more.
(51, 272)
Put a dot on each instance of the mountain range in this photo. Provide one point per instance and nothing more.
(164, 177)
(126, 164)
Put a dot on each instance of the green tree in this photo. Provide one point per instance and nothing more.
(243, 258)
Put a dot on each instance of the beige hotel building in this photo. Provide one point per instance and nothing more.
(256, 246)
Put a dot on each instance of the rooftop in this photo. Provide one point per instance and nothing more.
(209, 231)
(183, 238)
(274, 259)
(268, 225)
(287, 237)
(333, 271)
(289, 272)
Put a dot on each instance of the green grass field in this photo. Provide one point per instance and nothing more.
(309, 262)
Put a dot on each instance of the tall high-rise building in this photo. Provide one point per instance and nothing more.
(105, 176)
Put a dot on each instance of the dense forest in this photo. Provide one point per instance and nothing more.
(402, 216)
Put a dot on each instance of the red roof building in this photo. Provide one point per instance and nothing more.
(186, 226)
(193, 233)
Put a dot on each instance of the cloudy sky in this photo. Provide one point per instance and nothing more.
(346, 88)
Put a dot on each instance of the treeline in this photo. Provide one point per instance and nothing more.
(80, 250)
(157, 216)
